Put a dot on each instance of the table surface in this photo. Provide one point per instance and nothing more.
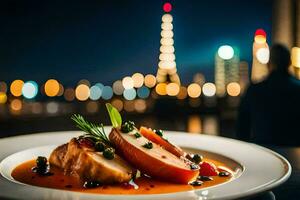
(291, 188)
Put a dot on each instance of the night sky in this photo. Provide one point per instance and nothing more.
(103, 41)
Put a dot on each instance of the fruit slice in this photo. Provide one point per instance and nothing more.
(156, 161)
(208, 169)
(152, 136)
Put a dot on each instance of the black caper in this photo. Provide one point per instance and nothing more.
(196, 183)
(91, 184)
(137, 135)
(224, 174)
(193, 166)
(131, 123)
(127, 127)
(41, 162)
(148, 145)
(197, 158)
(205, 178)
(109, 153)
(99, 146)
(159, 132)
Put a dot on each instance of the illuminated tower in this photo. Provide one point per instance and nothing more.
(261, 55)
(167, 71)
(226, 68)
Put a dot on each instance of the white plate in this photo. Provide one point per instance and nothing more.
(257, 169)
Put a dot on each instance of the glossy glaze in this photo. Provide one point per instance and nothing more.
(146, 185)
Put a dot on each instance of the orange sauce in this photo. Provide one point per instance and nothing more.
(146, 185)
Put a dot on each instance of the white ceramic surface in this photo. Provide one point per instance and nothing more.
(263, 168)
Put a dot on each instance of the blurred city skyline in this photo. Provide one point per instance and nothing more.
(71, 41)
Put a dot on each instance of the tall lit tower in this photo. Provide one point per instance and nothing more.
(167, 71)
(226, 68)
(261, 55)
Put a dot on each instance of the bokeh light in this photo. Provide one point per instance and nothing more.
(128, 82)
(150, 81)
(167, 26)
(3, 87)
(233, 89)
(118, 104)
(100, 85)
(16, 105)
(209, 89)
(182, 93)
(61, 90)
(167, 49)
(143, 92)
(129, 94)
(92, 106)
(30, 89)
(84, 82)
(16, 88)
(260, 36)
(161, 88)
(226, 52)
(95, 92)
(52, 107)
(82, 92)
(51, 87)
(37, 108)
(138, 80)
(194, 90)
(118, 87)
(172, 89)
(167, 7)
(295, 56)
(263, 55)
(167, 18)
(3, 97)
(167, 56)
(69, 94)
(129, 106)
(166, 41)
(107, 93)
(140, 105)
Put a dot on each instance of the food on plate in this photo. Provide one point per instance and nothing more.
(125, 160)
(78, 158)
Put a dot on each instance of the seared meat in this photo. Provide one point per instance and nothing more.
(87, 164)
(155, 160)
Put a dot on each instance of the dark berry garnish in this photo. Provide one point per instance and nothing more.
(224, 174)
(196, 183)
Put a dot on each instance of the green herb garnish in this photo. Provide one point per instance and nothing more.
(148, 145)
(115, 117)
(93, 131)
(137, 135)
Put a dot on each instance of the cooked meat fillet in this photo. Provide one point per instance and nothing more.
(87, 164)
(155, 160)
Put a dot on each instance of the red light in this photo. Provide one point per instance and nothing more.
(167, 7)
(260, 32)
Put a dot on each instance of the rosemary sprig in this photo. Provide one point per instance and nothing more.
(93, 131)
